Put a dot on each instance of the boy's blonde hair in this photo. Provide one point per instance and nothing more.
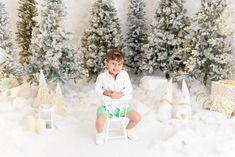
(115, 54)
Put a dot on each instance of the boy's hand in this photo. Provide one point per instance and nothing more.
(116, 95)
(108, 93)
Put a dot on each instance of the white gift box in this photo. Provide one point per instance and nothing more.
(225, 88)
(223, 97)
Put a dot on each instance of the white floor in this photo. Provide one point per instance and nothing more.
(208, 134)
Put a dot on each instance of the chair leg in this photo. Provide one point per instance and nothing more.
(106, 132)
(124, 130)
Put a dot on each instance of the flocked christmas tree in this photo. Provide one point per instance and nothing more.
(136, 35)
(166, 37)
(27, 12)
(43, 97)
(209, 54)
(10, 67)
(51, 49)
(104, 33)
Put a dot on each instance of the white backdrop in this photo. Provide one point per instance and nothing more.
(78, 12)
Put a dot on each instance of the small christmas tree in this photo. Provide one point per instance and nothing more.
(10, 67)
(136, 34)
(166, 37)
(59, 101)
(43, 97)
(104, 33)
(209, 53)
(6, 39)
(50, 47)
(27, 13)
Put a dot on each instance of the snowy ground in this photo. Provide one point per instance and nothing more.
(208, 134)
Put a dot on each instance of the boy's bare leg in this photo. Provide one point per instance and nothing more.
(100, 122)
(134, 118)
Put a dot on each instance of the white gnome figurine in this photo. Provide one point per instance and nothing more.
(184, 108)
(165, 105)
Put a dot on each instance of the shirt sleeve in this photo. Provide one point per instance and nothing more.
(127, 89)
(99, 85)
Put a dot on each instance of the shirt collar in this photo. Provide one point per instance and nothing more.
(107, 73)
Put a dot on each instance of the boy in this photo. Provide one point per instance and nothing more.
(115, 83)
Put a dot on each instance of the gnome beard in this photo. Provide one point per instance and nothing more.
(165, 107)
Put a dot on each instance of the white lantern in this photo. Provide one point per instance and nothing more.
(46, 113)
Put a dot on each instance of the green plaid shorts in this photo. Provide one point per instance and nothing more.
(102, 110)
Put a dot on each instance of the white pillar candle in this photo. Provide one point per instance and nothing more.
(31, 120)
(41, 126)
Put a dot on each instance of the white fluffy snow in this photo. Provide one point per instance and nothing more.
(207, 134)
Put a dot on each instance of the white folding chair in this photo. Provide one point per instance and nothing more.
(117, 109)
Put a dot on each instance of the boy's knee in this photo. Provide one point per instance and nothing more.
(100, 122)
(138, 118)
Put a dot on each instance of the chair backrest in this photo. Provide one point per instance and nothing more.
(116, 107)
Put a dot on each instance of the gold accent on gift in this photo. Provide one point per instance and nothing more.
(227, 82)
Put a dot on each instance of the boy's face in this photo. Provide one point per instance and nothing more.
(114, 67)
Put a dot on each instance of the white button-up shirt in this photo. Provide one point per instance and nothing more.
(106, 82)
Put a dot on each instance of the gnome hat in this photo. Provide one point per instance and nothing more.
(185, 93)
(168, 92)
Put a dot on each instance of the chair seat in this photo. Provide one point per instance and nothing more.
(117, 119)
